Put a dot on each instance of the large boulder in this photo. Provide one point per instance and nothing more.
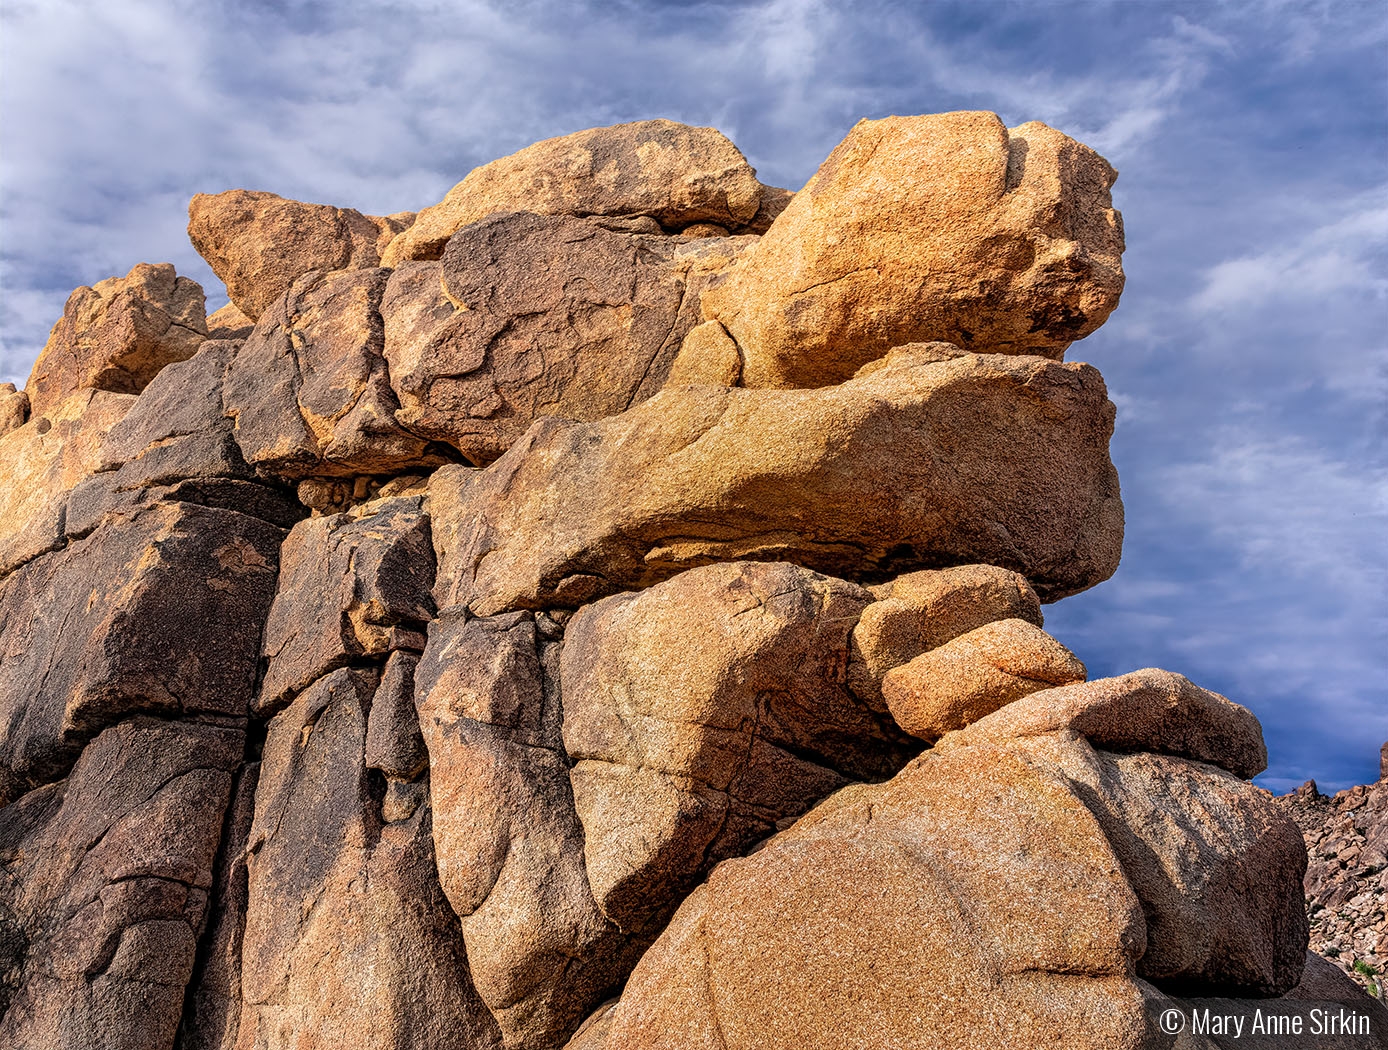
(530, 315)
(509, 844)
(41, 462)
(972, 902)
(104, 879)
(1147, 710)
(260, 243)
(997, 895)
(348, 940)
(702, 713)
(310, 391)
(923, 610)
(948, 227)
(160, 612)
(351, 586)
(1217, 865)
(928, 459)
(975, 674)
(117, 335)
(673, 173)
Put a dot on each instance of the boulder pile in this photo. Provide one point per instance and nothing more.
(1347, 874)
(603, 610)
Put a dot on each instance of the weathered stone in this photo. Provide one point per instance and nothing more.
(310, 390)
(14, 408)
(160, 612)
(174, 444)
(103, 887)
(971, 902)
(707, 355)
(228, 323)
(1215, 862)
(921, 463)
(974, 674)
(676, 174)
(349, 940)
(923, 610)
(946, 227)
(393, 741)
(260, 243)
(350, 585)
(1147, 710)
(212, 1009)
(509, 844)
(703, 712)
(530, 315)
(117, 335)
(40, 462)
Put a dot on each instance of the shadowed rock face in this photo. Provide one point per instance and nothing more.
(530, 315)
(922, 462)
(310, 391)
(348, 940)
(117, 335)
(730, 694)
(351, 586)
(104, 879)
(160, 612)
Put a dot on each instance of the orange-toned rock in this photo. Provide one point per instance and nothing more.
(14, 408)
(509, 844)
(974, 674)
(676, 174)
(259, 243)
(228, 323)
(948, 227)
(972, 902)
(1147, 710)
(41, 462)
(997, 459)
(923, 610)
(702, 713)
(117, 335)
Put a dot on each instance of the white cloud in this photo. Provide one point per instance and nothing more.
(1348, 254)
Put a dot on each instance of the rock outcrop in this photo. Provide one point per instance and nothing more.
(1347, 875)
(1000, 241)
(604, 612)
(671, 174)
(260, 243)
(923, 461)
(117, 335)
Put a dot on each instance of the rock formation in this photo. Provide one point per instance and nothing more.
(1347, 875)
(604, 611)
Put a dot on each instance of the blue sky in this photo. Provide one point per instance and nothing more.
(1248, 358)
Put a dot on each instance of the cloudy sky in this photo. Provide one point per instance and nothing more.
(1249, 356)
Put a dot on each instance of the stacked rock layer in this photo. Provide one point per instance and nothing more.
(604, 610)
